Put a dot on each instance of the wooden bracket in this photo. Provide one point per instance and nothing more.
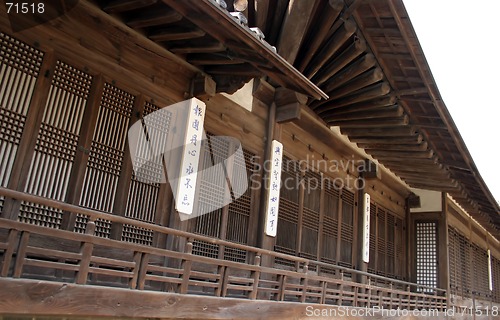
(203, 86)
(288, 104)
(369, 170)
(414, 201)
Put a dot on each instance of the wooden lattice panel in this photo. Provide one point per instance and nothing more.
(372, 265)
(143, 195)
(399, 249)
(347, 230)
(56, 144)
(426, 233)
(106, 155)
(480, 274)
(390, 249)
(310, 215)
(381, 241)
(495, 267)
(239, 210)
(19, 68)
(453, 253)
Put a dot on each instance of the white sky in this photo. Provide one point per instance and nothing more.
(461, 41)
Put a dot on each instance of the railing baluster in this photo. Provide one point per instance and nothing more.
(186, 266)
(304, 282)
(341, 289)
(224, 278)
(11, 246)
(256, 277)
(135, 272)
(143, 270)
(86, 253)
(21, 253)
(369, 295)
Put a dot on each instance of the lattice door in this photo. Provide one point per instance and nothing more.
(106, 155)
(347, 230)
(330, 224)
(286, 237)
(143, 196)
(310, 215)
(426, 233)
(19, 69)
(56, 145)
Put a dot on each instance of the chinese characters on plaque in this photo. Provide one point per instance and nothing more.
(186, 188)
(366, 228)
(273, 188)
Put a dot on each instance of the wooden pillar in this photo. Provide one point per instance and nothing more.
(442, 247)
(265, 93)
(27, 143)
(77, 174)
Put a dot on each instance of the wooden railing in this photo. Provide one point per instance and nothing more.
(30, 251)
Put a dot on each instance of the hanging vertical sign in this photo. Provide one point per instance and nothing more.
(366, 228)
(490, 273)
(186, 188)
(273, 188)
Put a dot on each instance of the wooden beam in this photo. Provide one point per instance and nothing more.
(385, 112)
(355, 69)
(411, 91)
(366, 79)
(380, 146)
(202, 48)
(370, 123)
(328, 18)
(385, 101)
(381, 131)
(211, 59)
(127, 5)
(153, 18)
(416, 139)
(243, 69)
(331, 47)
(261, 14)
(346, 57)
(294, 28)
(380, 153)
(172, 34)
(366, 94)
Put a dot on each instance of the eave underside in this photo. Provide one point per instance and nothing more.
(363, 54)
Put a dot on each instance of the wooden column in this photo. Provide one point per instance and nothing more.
(265, 92)
(77, 174)
(20, 169)
(443, 245)
(124, 180)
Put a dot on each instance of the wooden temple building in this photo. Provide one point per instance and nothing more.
(340, 82)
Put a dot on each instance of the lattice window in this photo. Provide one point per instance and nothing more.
(19, 68)
(330, 224)
(453, 253)
(372, 265)
(143, 196)
(286, 238)
(495, 267)
(56, 145)
(106, 156)
(381, 241)
(480, 274)
(426, 233)
(390, 245)
(347, 230)
(238, 213)
(399, 259)
(310, 215)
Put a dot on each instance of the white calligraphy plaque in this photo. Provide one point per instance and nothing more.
(366, 228)
(186, 188)
(273, 188)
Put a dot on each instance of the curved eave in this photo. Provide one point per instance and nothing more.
(388, 30)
